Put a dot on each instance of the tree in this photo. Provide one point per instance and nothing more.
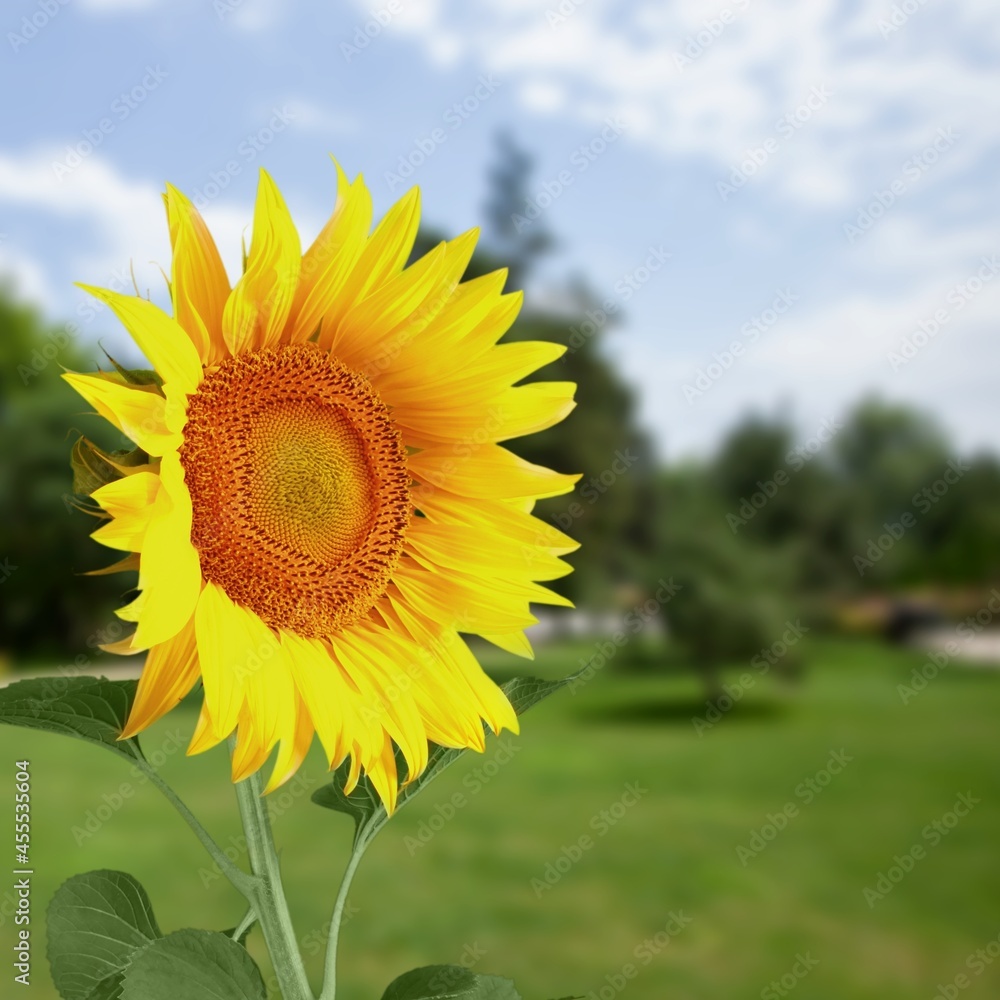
(47, 608)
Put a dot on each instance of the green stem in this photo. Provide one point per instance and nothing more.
(249, 919)
(269, 897)
(330, 969)
(242, 882)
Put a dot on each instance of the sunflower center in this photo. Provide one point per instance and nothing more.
(299, 487)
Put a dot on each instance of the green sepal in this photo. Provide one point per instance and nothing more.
(93, 467)
(136, 376)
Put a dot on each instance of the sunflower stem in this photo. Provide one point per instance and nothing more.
(330, 970)
(244, 883)
(249, 919)
(269, 894)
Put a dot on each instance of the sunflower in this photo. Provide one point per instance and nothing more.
(323, 508)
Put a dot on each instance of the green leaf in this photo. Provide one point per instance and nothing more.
(526, 692)
(449, 982)
(90, 708)
(96, 922)
(363, 804)
(193, 965)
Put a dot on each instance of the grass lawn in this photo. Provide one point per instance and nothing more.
(665, 810)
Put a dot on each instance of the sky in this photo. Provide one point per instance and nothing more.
(779, 205)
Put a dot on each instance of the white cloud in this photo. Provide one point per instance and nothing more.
(721, 89)
(124, 220)
(542, 96)
(126, 215)
(28, 276)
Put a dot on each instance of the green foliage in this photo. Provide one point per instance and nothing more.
(734, 592)
(96, 923)
(449, 982)
(822, 509)
(46, 607)
(192, 965)
(89, 708)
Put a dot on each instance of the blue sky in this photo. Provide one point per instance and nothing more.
(822, 175)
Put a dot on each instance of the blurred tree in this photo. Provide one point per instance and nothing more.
(46, 609)
(519, 243)
(736, 595)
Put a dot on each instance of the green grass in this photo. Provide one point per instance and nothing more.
(468, 890)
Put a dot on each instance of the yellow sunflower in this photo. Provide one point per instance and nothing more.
(327, 508)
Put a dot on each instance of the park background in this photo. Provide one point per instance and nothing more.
(768, 235)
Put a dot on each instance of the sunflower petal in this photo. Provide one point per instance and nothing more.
(139, 414)
(256, 311)
(131, 503)
(227, 654)
(169, 570)
(486, 471)
(169, 674)
(199, 285)
(327, 264)
(164, 342)
(293, 750)
(384, 255)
